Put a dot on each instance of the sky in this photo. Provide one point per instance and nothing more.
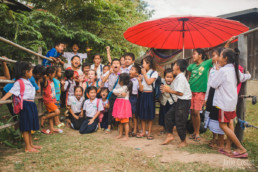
(164, 8)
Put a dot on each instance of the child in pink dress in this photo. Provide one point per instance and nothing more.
(122, 108)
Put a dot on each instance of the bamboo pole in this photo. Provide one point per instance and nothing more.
(23, 48)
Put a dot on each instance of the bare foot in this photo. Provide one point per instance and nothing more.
(36, 147)
(119, 137)
(42, 122)
(168, 140)
(32, 150)
(125, 138)
(182, 144)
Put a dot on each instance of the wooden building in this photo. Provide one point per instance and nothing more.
(249, 18)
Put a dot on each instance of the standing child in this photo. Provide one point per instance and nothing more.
(92, 81)
(85, 70)
(112, 76)
(129, 61)
(147, 101)
(74, 106)
(122, 108)
(198, 72)
(106, 68)
(137, 85)
(225, 82)
(49, 98)
(184, 95)
(97, 66)
(167, 101)
(103, 117)
(58, 94)
(122, 62)
(29, 114)
(91, 108)
(68, 85)
(212, 119)
(76, 67)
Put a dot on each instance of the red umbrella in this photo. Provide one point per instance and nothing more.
(186, 32)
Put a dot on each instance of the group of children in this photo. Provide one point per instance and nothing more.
(97, 96)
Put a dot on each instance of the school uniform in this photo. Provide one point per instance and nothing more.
(76, 106)
(104, 122)
(147, 100)
(99, 70)
(112, 79)
(133, 96)
(167, 101)
(127, 69)
(29, 114)
(91, 108)
(211, 112)
(9, 86)
(71, 85)
(183, 104)
(225, 97)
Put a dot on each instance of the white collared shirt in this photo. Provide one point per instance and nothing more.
(181, 85)
(71, 88)
(91, 107)
(225, 83)
(167, 97)
(135, 87)
(69, 56)
(99, 70)
(147, 87)
(211, 75)
(112, 80)
(126, 69)
(29, 91)
(76, 105)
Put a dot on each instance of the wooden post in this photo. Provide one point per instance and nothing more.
(40, 101)
(241, 105)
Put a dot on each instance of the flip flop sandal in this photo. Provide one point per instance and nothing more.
(134, 134)
(197, 139)
(222, 151)
(107, 131)
(192, 136)
(32, 151)
(47, 132)
(238, 155)
(150, 137)
(141, 135)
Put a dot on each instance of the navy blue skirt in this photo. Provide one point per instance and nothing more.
(29, 119)
(147, 106)
(133, 101)
(162, 111)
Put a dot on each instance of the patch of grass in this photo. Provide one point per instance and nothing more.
(198, 148)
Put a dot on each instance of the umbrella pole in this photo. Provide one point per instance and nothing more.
(183, 49)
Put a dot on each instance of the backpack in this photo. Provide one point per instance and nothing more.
(156, 89)
(18, 101)
(64, 96)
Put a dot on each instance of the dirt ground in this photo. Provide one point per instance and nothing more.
(135, 152)
(170, 153)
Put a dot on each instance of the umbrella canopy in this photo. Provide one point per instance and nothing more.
(186, 32)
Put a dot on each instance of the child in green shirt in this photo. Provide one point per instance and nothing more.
(198, 72)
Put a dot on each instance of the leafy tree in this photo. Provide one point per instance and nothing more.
(92, 23)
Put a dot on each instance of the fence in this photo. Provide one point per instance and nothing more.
(39, 95)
